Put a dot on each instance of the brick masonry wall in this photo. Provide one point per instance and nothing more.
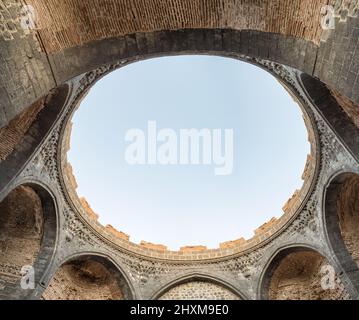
(66, 24)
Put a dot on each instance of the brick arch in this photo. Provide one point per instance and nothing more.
(341, 213)
(208, 285)
(298, 273)
(89, 276)
(28, 233)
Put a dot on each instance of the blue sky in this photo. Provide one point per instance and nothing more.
(189, 205)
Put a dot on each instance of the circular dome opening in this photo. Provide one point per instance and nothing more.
(247, 147)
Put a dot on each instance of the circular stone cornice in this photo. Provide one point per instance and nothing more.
(286, 76)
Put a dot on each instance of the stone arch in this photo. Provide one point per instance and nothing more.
(341, 221)
(71, 62)
(223, 42)
(28, 237)
(333, 107)
(200, 287)
(300, 273)
(89, 276)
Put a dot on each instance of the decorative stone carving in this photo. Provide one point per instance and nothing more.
(48, 155)
(345, 8)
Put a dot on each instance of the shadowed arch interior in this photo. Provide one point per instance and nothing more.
(341, 215)
(27, 237)
(301, 274)
(88, 278)
(348, 212)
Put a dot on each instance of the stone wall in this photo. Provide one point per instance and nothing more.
(199, 290)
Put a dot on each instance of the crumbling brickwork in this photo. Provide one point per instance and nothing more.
(83, 280)
(300, 276)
